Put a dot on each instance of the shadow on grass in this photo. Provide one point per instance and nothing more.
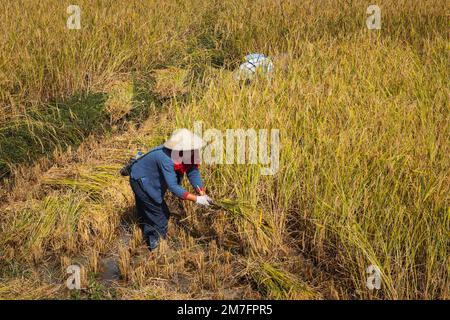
(57, 125)
(67, 123)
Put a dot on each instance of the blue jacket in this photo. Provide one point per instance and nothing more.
(157, 172)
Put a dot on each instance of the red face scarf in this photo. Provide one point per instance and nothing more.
(183, 168)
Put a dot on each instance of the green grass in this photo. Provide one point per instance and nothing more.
(42, 130)
(58, 125)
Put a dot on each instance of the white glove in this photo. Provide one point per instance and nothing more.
(203, 200)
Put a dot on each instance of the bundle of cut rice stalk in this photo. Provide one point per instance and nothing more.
(236, 209)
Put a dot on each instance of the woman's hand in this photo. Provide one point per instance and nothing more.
(203, 200)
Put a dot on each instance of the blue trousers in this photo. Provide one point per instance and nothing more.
(153, 217)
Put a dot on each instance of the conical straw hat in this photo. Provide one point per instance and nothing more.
(184, 140)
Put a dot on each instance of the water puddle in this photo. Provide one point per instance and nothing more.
(109, 270)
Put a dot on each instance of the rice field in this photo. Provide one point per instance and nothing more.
(364, 169)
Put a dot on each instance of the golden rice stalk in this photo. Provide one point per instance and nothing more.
(125, 261)
(276, 283)
(27, 289)
(171, 82)
(92, 181)
(120, 99)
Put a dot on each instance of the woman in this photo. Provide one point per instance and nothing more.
(160, 169)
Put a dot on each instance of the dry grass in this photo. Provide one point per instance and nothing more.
(363, 173)
(120, 100)
(171, 82)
